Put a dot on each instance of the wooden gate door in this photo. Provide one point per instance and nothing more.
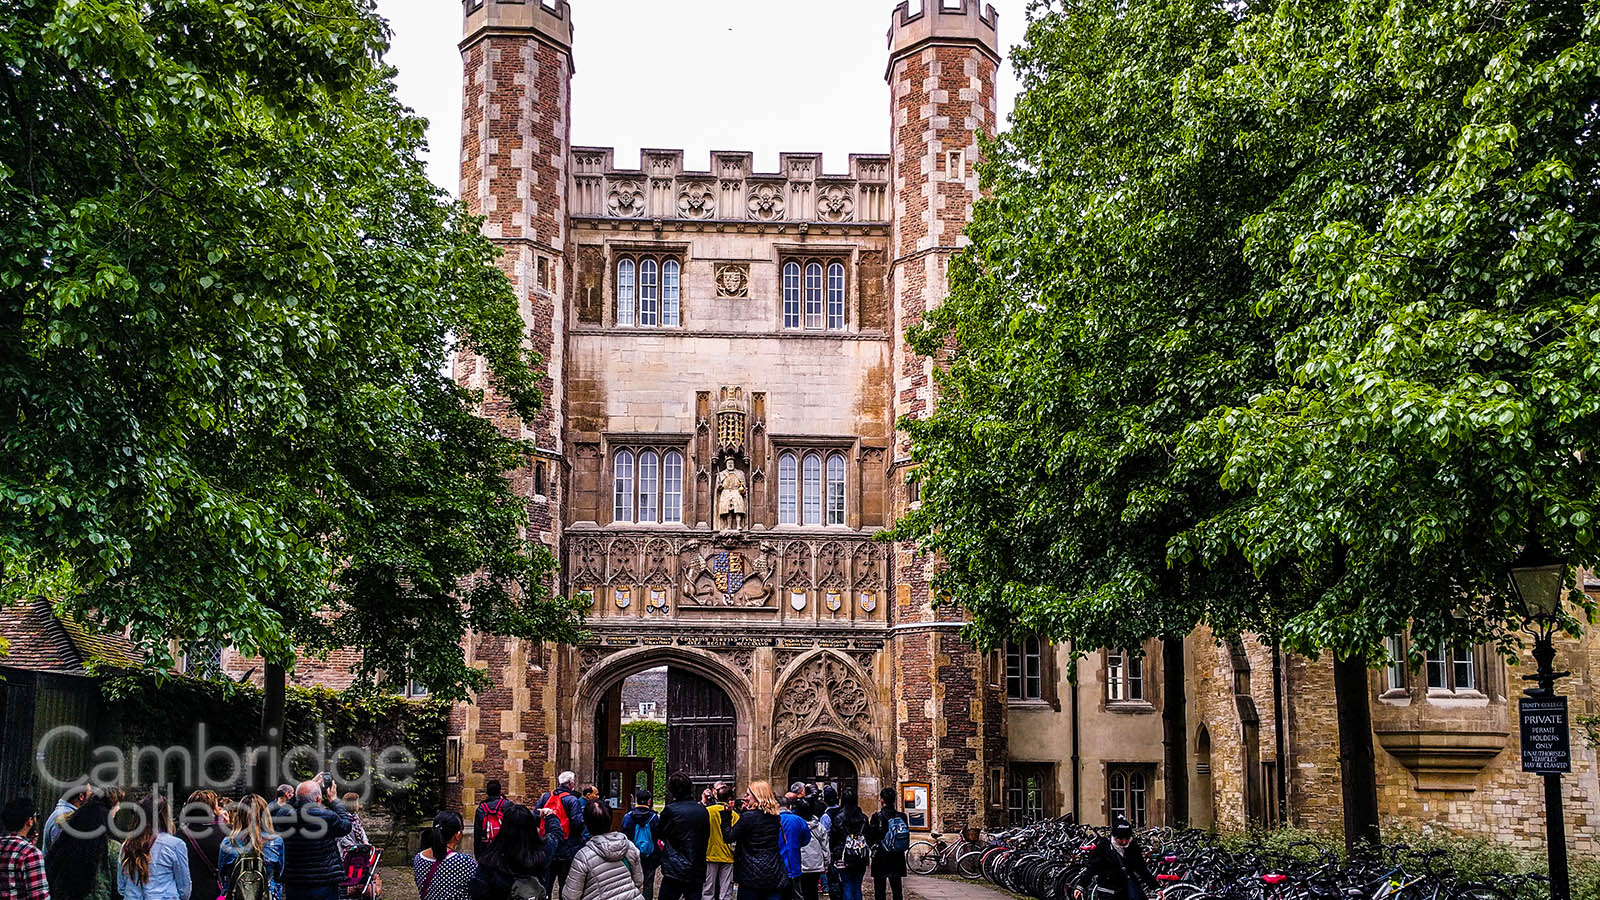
(702, 741)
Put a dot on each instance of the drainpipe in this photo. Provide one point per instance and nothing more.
(1279, 729)
(1077, 785)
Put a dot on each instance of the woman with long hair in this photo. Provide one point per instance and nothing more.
(202, 827)
(154, 863)
(81, 863)
(515, 860)
(847, 841)
(757, 840)
(442, 871)
(253, 839)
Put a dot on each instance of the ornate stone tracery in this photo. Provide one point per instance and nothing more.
(697, 201)
(626, 199)
(825, 694)
(766, 202)
(836, 204)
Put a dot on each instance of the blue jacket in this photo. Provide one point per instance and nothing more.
(169, 873)
(641, 815)
(795, 834)
(231, 850)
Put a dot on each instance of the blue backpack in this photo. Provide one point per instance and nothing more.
(643, 838)
(897, 839)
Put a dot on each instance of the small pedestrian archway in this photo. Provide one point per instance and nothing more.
(709, 708)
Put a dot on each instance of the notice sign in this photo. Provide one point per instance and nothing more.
(1546, 743)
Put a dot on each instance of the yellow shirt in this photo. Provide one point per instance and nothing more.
(717, 849)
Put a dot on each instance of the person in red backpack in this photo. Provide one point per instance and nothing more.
(489, 818)
(563, 812)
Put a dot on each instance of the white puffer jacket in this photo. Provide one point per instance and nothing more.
(606, 868)
(814, 856)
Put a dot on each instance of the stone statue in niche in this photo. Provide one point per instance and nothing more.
(731, 491)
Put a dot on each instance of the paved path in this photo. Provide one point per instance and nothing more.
(927, 887)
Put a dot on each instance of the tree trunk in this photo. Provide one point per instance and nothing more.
(275, 686)
(1357, 774)
(1175, 731)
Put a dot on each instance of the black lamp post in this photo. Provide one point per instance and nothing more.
(1539, 582)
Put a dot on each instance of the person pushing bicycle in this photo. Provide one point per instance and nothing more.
(1116, 868)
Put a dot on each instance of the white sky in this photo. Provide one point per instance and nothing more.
(697, 75)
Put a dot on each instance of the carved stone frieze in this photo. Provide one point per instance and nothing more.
(797, 565)
(836, 204)
(589, 657)
(825, 694)
(622, 562)
(869, 567)
(713, 576)
(766, 202)
(626, 199)
(658, 562)
(832, 566)
(742, 659)
(697, 200)
(589, 561)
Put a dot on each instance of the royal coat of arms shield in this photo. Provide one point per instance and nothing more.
(727, 571)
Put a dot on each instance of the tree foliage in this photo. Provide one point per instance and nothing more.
(229, 296)
(1278, 315)
(1102, 309)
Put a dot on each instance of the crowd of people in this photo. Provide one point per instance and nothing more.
(295, 847)
(806, 844)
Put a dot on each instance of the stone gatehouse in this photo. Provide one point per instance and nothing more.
(726, 362)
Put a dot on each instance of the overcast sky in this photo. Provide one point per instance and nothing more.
(759, 75)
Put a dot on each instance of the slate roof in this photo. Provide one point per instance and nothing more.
(41, 641)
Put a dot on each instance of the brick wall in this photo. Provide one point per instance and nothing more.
(951, 723)
(515, 140)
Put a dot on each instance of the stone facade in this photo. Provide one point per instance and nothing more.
(1447, 757)
(725, 363)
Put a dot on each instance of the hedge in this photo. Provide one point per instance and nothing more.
(164, 710)
(651, 740)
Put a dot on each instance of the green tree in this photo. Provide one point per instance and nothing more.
(1103, 309)
(1436, 254)
(230, 296)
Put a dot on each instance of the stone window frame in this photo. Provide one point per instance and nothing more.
(1125, 681)
(635, 446)
(824, 451)
(1136, 779)
(615, 251)
(661, 263)
(1023, 687)
(1487, 679)
(1018, 805)
(1150, 677)
(825, 262)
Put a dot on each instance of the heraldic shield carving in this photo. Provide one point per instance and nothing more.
(727, 572)
(731, 415)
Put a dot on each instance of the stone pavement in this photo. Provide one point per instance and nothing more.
(927, 887)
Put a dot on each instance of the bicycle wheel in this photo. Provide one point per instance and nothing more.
(923, 857)
(969, 865)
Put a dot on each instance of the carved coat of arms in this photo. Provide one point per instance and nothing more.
(730, 419)
(727, 572)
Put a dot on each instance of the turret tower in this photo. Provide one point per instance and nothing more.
(943, 60)
(515, 142)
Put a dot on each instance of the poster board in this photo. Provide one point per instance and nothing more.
(914, 803)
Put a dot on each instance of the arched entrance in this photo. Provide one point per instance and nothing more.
(704, 709)
(824, 767)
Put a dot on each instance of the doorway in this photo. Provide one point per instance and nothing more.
(821, 768)
(657, 721)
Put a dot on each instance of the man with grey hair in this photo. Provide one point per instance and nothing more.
(311, 824)
(563, 811)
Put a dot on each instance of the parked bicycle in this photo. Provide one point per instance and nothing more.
(935, 854)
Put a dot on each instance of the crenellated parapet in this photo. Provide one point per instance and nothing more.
(917, 23)
(661, 188)
(550, 20)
